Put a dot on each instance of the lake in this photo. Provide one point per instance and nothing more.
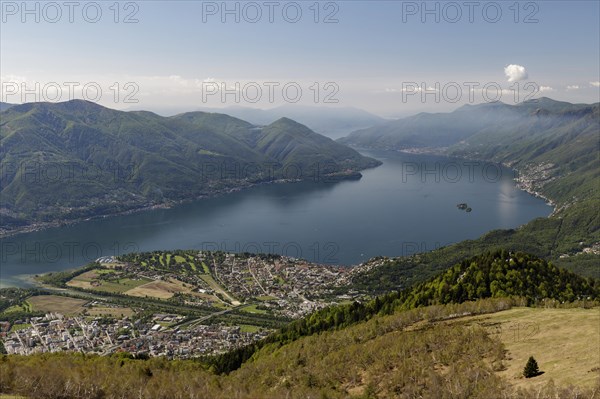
(406, 205)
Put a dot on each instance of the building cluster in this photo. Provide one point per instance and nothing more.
(159, 336)
(279, 277)
(287, 286)
(535, 176)
(359, 270)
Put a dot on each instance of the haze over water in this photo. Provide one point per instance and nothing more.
(404, 206)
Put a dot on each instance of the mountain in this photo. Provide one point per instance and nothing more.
(557, 136)
(447, 129)
(333, 122)
(77, 159)
(430, 129)
(552, 145)
(5, 106)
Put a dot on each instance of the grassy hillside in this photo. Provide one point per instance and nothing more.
(77, 159)
(427, 352)
(559, 339)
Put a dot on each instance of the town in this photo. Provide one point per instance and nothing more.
(55, 333)
(217, 302)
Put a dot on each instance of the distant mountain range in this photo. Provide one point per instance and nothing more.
(542, 136)
(333, 122)
(5, 106)
(73, 160)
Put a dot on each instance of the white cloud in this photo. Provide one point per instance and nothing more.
(573, 87)
(545, 89)
(514, 72)
(595, 84)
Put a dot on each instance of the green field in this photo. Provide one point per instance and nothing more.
(91, 281)
(266, 298)
(253, 309)
(17, 327)
(247, 328)
(23, 307)
(205, 268)
(105, 271)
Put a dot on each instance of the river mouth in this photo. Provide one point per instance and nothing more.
(406, 205)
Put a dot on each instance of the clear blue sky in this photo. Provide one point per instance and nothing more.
(180, 50)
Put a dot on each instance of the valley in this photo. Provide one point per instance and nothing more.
(227, 314)
(300, 200)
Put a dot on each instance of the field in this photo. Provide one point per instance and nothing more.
(253, 309)
(55, 303)
(205, 268)
(266, 298)
(110, 311)
(249, 328)
(17, 327)
(565, 343)
(84, 280)
(23, 307)
(90, 281)
(159, 289)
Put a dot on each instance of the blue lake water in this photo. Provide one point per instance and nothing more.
(406, 205)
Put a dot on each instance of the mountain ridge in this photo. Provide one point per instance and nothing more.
(333, 122)
(140, 159)
(522, 136)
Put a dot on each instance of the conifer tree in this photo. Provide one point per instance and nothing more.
(531, 368)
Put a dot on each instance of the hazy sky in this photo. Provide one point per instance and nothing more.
(387, 57)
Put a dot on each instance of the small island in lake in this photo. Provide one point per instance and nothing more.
(464, 207)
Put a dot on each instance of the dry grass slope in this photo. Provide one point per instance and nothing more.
(565, 343)
(159, 289)
(55, 303)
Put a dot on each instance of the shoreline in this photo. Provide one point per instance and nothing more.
(354, 175)
(30, 281)
(521, 185)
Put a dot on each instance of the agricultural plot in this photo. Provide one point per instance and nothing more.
(159, 289)
(59, 304)
(116, 312)
(92, 280)
(253, 309)
(84, 280)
